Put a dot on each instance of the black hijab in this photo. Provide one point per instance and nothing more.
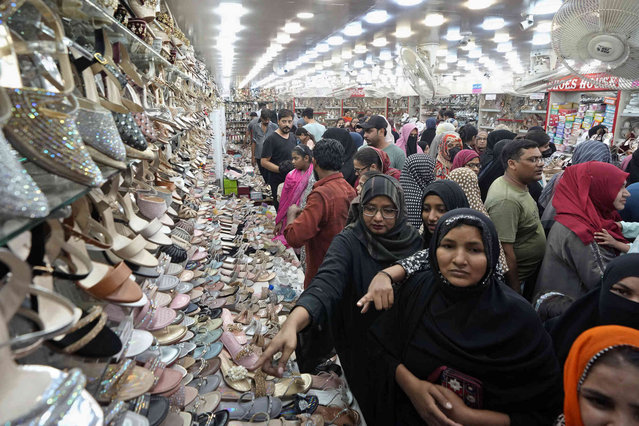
(599, 307)
(344, 138)
(411, 145)
(494, 169)
(633, 168)
(400, 241)
(493, 139)
(486, 331)
(451, 194)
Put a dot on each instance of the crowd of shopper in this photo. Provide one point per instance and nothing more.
(430, 273)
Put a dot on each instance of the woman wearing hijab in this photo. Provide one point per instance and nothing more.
(492, 170)
(467, 181)
(586, 199)
(449, 146)
(369, 158)
(480, 142)
(493, 139)
(457, 324)
(358, 140)
(408, 140)
(586, 151)
(344, 138)
(428, 134)
(601, 378)
(442, 130)
(609, 304)
(440, 197)
(417, 174)
(467, 158)
(379, 237)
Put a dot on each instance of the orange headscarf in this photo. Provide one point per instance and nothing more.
(586, 347)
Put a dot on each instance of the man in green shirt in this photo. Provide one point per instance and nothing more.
(375, 136)
(515, 214)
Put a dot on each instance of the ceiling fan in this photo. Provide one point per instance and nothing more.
(419, 75)
(599, 41)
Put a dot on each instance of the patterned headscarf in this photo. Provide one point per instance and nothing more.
(417, 174)
(444, 163)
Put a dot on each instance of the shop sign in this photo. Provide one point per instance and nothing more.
(538, 96)
(357, 93)
(577, 84)
(476, 88)
(491, 97)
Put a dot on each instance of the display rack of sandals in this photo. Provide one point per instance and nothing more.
(466, 108)
(131, 290)
(517, 112)
(237, 116)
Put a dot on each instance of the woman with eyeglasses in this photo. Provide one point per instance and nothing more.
(379, 237)
(467, 158)
(481, 141)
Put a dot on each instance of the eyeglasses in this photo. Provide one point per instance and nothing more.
(362, 169)
(387, 212)
(534, 160)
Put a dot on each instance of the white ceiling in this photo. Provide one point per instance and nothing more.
(264, 19)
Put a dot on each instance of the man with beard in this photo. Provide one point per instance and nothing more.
(276, 152)
(375, 136)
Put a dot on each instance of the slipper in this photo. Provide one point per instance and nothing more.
(291, 386)
(245, 409)
(205, 403)
(209, 351)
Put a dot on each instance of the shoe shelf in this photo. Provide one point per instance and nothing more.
(516, 112)
(328, 109)
(466, 108)
(141, 52)
(60, 192)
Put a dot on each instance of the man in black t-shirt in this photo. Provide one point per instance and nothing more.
(277, 150)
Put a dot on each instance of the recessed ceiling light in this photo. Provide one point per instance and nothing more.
(403, 30)
(475, 53)
(501, 37)
(443, 66)
(376, 17)
(493, 23)
(360, 48)
(347, 54)
(358, 63)
(335, 40)
(479, 4)
(385, 55)
(453, 34)
(541, 38)
(353, 29)
(305, 15)
(546, 7)
(408, 2)
(283, 38)
(380, 42)
(292, 27)
(323, 48)
(451, 58)
(231, 10)
(434, 20)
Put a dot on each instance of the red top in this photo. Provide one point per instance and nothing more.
(323, 217)
(584, 199)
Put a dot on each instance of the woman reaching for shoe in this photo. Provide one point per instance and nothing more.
(457, 326)
(379, 237)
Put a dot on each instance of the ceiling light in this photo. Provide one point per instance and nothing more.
(408, 2)
(323, 48)
(505, 47)
(434, 20)
(493, 23)
(283, 38)
(346, 53)
(327, 62)
(305, 15)
(353, 29)
(360, 48)
(468, 46)
(451, 58)
(389, 65)
(479, 4)
(483, 59)
(501, 37)
(527, 23)
(543, 27)
(335, 40)
(292, 27)
(369, 60)
(541, 38)
(475, 53)
(376, 17)
(443, 66)
(231, 10)
(358, 63)
(453, 34)
(403, 30)
(385, 55)
(546, 7)
(462, 63)
(380, 42)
